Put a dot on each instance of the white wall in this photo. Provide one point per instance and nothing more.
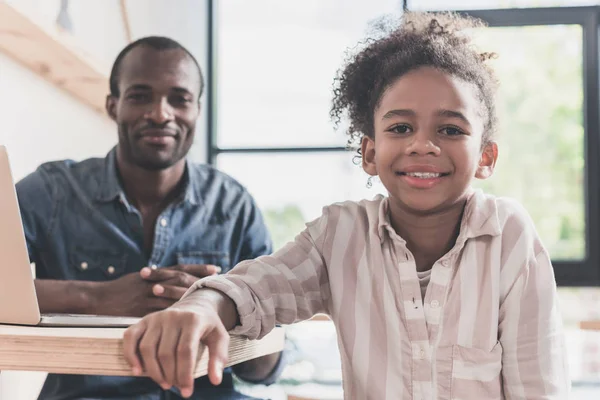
(40, 122)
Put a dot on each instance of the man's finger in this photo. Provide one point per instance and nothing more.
(131, 339)
(168, 291)
(200, 270)
(157, 275)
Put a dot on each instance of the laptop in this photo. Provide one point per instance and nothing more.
(18, 300)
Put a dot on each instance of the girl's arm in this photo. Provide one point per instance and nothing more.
(290, 285)
(534, 361)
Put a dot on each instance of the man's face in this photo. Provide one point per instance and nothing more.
(157, 107)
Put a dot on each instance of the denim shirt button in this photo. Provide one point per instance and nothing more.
(163, 222)
(111, 270)
(84, 265)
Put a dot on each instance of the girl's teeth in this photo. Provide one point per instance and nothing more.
(424, 175)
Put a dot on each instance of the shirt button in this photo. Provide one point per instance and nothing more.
(445, 263)
(111, 270)
(422, 354)
(163, 222)
(84, 265)
(435, 304)
(153, 266)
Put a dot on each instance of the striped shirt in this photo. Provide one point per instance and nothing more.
(488, 327)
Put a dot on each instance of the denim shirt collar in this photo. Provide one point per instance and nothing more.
(110, 189)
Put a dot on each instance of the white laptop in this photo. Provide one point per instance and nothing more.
(18, 300)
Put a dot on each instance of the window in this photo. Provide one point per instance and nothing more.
(273, 65)
(292, 188)
(541, 134)
(276, 60)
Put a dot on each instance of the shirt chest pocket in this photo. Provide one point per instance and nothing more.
(96, 264)
(476, 373)
(218, 258)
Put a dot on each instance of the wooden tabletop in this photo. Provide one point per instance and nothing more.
(98, 351)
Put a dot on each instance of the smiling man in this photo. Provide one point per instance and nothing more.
(128, 234)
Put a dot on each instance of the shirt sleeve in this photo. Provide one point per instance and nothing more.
(534, 361)
(290, 285)
(36, 204)
(256, 240)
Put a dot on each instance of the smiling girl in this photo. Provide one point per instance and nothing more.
(437, 291)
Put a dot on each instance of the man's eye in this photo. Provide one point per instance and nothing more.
(401, 129)
(182, 100)
(138, 97)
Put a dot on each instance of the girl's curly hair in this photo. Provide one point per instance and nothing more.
(420, 39)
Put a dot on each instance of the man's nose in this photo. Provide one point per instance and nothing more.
(160, 112)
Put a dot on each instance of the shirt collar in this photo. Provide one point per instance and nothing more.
(109, 186)
(192, 184)
(479, 219)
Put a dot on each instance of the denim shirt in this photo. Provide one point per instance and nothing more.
(79, 225)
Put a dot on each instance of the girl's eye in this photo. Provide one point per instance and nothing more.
(401, 129)
(451, 131)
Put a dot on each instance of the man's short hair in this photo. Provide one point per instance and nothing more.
(156, 43)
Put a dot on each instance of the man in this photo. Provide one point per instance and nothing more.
(128, 234)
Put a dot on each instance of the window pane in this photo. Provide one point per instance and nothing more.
(440, 5)
(541, 136)
(276, 64)
(293, 188)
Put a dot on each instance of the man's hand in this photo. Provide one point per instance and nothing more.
(138, 294)
(172, 282)
(166, 345)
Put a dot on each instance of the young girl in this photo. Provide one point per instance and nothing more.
(437, 291)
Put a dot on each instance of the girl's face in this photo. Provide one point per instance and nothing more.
(428, 141)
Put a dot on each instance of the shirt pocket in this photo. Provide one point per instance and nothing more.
(92, 264)
(218, 258)
(476, 373)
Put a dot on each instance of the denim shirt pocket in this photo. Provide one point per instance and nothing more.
(477, 373)
(94, 264)
(218, 258)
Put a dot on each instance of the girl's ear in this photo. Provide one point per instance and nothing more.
(367, 148)
(487, 162)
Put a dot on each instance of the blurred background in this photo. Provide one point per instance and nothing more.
(270, 67)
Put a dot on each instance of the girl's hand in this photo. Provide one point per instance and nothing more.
(166, 345)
